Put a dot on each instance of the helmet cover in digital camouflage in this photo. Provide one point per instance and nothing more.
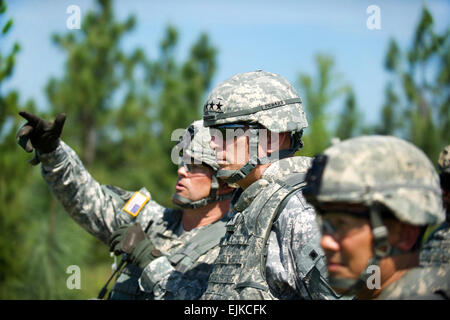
(374, 170)
(381, 169)
(256, 97)
(194, 145)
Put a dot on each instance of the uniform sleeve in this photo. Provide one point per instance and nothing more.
(295, 265)
(95, 207)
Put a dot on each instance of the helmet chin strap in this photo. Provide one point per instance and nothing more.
(186, 203)
(232, 176)
(381, 249)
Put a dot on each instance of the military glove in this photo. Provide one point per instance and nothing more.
(131, 239)
(38, 134)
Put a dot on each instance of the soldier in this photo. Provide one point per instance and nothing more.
(173, 258)
(375, 196)
(436, 251)
(271, 248)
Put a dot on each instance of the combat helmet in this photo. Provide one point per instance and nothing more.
(380, 172)
(257, 99)
(194, 145)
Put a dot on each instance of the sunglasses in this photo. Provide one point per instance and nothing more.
(229, 130)
(195, 169)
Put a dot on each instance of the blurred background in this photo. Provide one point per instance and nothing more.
(127, 73)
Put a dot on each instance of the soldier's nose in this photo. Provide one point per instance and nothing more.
(182, 171)
(328, 243)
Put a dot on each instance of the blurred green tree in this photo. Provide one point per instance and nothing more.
(390, 120)
(121, 111)
(317, 93)
(349, 121)
(14, 173)
(95, 69)
(179, 90)
(417, 96)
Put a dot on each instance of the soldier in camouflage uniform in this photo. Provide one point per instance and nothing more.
(436, 251)
(271, 248)
(173, 259)
(375, 196)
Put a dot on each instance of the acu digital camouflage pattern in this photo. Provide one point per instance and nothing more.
(387, 170)
(98, 209)
(419, 283)
(444, 160)
(281, 108)
(436, 251)
(294, 267)
(195, 144)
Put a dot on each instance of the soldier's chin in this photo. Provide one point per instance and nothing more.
(179, 193)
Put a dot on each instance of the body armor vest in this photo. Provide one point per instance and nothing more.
(239, 270)
(182, 252)
(181, 259)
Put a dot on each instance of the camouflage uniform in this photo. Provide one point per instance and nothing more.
(419, 284)
(436, 251)
(99, 210)
(383, 170)
(271, 248)
(295, 264)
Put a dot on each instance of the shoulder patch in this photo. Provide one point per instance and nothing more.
(123, 194)
(135, 204)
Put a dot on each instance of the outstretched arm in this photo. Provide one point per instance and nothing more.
(96, 208)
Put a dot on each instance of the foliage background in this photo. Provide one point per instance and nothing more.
(122, 107)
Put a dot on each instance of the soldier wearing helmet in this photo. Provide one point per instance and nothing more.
(168, 253)
(271, 248)
(375, 196)
(436, 250)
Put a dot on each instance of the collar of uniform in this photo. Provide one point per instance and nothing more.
(281, 168)
(249, 194)
(419, 282)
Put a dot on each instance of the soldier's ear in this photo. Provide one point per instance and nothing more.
(406, 236)
(278, 141)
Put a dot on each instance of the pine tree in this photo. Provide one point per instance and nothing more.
(417, 103)
(349, 121)
(121, 110)
(14, 174)
(317, 93)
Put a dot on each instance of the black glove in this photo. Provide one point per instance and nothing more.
(39, 134)
(132, 240)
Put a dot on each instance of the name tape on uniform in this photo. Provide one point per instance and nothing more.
(135, 204)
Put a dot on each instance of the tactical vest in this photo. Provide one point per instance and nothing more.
(239, 270)
(126, 286)
(182, 259)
